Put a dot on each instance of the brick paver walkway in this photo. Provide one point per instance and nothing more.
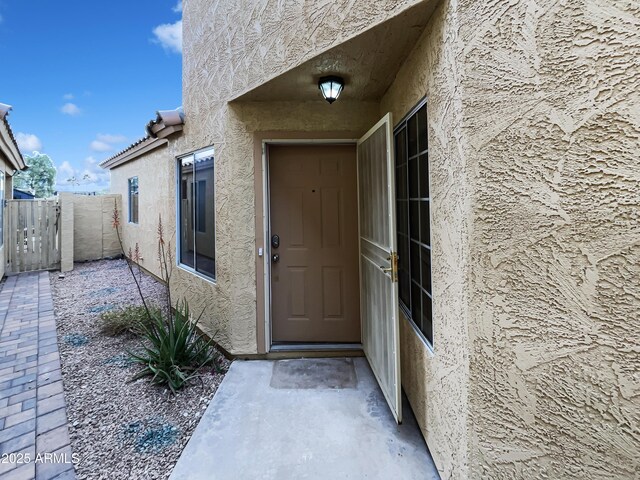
(34, 439)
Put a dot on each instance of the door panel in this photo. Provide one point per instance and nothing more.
(315, 281)
(378, 261)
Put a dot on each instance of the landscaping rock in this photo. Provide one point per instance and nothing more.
(120, 429)
(76, 339)
(103, 292)
(121, 360)
(100, 308)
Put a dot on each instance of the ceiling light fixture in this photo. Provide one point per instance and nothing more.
(331, 87)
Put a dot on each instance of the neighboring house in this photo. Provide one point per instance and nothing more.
(514, 127)
(22, 195)
(11, 162)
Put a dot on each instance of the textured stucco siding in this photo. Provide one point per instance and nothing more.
(94, 236)
(534, 136)
(228, 49)
(230, 303)
(436, 383)
(86, 231)
(157, 196)
(231, 47)
(235, 46)
(551, 114)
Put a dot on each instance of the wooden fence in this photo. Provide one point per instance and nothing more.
(33, 235)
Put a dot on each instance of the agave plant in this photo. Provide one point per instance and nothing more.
(174, 350)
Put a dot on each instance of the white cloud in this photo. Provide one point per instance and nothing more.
(105, 142)
(108, 138)
(169, 35)
(98, 146)
(28, 142)
(70, 109)
(68, 96)
(178, 7)
(89, 177)
(65, 170)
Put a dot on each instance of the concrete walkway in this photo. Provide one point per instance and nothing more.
(33, 420)
(303, 419)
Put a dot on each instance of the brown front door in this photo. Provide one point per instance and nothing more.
(314, 269)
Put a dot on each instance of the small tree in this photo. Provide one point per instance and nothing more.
(39, 178)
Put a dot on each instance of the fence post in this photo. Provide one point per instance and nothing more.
(66, 232)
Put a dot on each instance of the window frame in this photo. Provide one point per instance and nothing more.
(179, 197)
(408, 310)
(130, 195)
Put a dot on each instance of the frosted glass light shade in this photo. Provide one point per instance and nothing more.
(331, 87)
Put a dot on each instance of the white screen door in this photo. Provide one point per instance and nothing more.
(378, 260)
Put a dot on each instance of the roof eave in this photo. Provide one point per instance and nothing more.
(143, 147)
(9, 148)
(8, 143)
(166, 123)
(163, 131)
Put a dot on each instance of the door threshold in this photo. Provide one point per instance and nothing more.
(315, 347)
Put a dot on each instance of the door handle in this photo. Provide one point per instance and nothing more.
(275, 258)
(386, 269)
(393, 269)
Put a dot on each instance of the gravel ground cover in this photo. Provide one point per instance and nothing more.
(119, 429)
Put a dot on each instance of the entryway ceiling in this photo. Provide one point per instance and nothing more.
(368, 62)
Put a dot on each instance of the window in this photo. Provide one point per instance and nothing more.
(133, 200)
(196, 228)
(413, 203)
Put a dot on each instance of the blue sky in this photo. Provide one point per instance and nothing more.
(85, 77)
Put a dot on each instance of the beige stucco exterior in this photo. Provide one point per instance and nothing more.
(551, 125)
(533, 141)
(157, 193)
(437, 381)
(86, 228)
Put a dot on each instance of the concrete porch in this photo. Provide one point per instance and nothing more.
(303, 419)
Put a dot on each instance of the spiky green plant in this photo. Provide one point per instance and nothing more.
(174, 350)
(171, 350)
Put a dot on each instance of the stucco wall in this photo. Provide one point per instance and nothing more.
(93, 234)
(533, 130)
(228, 49)
(230, 303)
(534, 135)
(436, 382)
(551, 99)
(156, 197)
